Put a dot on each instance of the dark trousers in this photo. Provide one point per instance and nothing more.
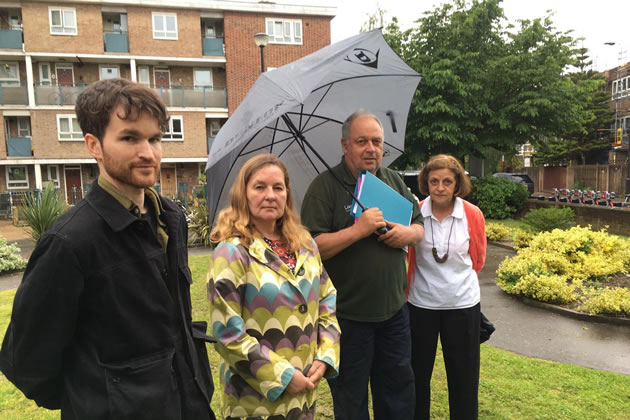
(459, 334)
(378, 353)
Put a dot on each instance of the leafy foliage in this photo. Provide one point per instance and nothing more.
(498, 198)
(569, 266)
(548, 219)
(40, 212)
(486, 85)
(10, 258)
(521, 238)
(497, 231)
(200, 224)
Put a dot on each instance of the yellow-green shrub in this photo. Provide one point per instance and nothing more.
(607, 301)
(550, 288)
(556, 264)
(497, 231)
(522, 238)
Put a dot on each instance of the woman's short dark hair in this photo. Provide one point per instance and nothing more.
(463, 186)
(96, 103)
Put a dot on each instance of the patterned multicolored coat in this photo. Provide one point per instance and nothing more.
(269, 322)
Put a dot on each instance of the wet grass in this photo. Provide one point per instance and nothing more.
(511, 386)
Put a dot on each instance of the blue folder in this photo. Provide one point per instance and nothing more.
(372, 192)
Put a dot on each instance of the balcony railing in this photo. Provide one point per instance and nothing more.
(57, 95)
(19, 146)
(116, 42)
(202, 97)
(213, 47)
(14, 94)
(11, 38)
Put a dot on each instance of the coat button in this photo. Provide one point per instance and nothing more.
(301, 271)
(303, 308)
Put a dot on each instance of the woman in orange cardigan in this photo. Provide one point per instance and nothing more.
(444, 292)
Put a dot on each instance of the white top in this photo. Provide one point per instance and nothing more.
(453, 284)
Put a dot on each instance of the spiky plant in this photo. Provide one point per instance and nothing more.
(41, 212)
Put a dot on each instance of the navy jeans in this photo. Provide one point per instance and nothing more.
(378, 353)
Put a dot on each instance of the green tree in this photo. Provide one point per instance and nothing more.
(486, 85)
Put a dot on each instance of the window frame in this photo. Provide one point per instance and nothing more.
(147, 83)
(11, 184)
(63, 26)
(20, 129)
(197, 86)
(105, 66)
(164, 15)
(168, 134)
(45, 81)
(59, 132)
(55, 181)
(275, 39)
(11, 82)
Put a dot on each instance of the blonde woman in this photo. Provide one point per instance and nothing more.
(272, 303)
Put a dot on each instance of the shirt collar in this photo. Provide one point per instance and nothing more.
(458, 208)
(346, 174)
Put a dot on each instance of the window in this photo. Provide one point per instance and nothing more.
(203, 78)
(53, 175)
(62, 20)
(175, 129)
(164, 25)
(215, 126)
(68, 128)
(109, 72)
(44, 74)
(283, 31)
(143, 75)
(17, 177)
(23, 127)
(9, 75)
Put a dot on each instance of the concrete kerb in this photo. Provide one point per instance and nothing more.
(581, 316)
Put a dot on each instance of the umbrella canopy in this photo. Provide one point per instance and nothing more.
(308, 100)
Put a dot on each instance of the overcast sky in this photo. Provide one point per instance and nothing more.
(597, 21)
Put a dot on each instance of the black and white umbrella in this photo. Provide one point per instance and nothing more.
(296, 112)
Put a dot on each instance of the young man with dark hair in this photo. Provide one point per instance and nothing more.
(101, 325)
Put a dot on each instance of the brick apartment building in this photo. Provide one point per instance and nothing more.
(618, 84)
(198, 55)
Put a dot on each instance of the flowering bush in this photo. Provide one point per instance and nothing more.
(608, 301)
(557, 266)
(497, 231)
(10, 258)
(521, 238)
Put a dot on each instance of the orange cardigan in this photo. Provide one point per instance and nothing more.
(476, 246)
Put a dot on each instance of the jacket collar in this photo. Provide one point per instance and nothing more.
(262, 252)
(115, 215)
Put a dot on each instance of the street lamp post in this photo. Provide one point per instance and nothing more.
(261, 39)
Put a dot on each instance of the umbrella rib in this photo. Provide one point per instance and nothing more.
(315, 108)
(388, 143)
(273, 137)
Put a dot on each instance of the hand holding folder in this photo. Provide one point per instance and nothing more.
(372, 192)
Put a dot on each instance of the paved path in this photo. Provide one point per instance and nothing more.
(537, 332)
(521, 328)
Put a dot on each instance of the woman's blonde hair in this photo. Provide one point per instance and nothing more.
(234, 220)
(463, 186)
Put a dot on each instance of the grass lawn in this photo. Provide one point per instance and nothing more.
(511, 386)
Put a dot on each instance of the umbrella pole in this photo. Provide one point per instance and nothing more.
(295, 131)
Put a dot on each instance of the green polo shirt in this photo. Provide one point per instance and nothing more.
(370, 277)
